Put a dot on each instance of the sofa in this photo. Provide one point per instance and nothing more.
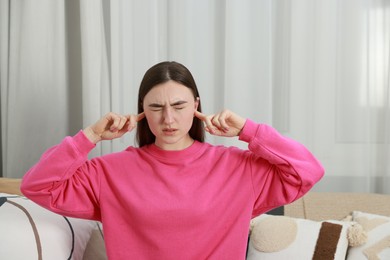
(324, 225)
(360, 222)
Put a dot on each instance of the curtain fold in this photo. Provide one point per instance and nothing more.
(377, 94)
(34, 95)
(4, 50)
(318, 71)
(96, 85)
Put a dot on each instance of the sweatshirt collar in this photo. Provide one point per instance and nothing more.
(174, 155)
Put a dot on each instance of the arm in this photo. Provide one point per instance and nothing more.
(292, 169)
(282, 169)
(63, 180)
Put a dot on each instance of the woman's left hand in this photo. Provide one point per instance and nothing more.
(225, 123)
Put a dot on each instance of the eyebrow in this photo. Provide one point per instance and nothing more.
(177, 103)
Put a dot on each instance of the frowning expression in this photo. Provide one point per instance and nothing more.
(169, 109)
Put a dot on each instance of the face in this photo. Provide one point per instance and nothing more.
(169, 109)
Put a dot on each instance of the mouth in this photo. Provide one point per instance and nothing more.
(169, 131)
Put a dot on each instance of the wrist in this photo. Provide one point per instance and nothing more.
(241, 125)
(91, 135)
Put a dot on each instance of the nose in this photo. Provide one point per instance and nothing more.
(168, 115)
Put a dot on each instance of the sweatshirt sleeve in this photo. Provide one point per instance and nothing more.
(64, 181)
(291, 169)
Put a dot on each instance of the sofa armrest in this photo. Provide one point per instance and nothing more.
(10, 186)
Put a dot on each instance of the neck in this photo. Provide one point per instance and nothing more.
(177, 146)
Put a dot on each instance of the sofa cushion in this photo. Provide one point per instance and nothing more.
(281, 237)
(32, 232)
(378, 240)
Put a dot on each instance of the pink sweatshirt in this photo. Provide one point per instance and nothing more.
(191, 204)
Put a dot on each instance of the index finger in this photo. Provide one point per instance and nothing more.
(200, 115)
(140, 116)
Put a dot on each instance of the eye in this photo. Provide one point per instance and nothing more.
(179, 106)
(155, 107)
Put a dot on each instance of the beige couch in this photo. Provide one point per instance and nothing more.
(328, 205)
(314, 205)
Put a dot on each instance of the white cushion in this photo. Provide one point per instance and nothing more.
(29, 230)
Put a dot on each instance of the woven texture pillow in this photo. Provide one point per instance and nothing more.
(281, 237)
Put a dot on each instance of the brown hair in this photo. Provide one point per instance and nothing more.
(158, 74)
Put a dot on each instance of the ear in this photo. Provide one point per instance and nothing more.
(196, 103)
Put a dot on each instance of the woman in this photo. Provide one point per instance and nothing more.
(174, 196)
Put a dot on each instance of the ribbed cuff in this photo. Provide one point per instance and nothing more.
(248, 131)
(83, 144)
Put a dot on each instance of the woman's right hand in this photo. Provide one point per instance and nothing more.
(112, 126)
